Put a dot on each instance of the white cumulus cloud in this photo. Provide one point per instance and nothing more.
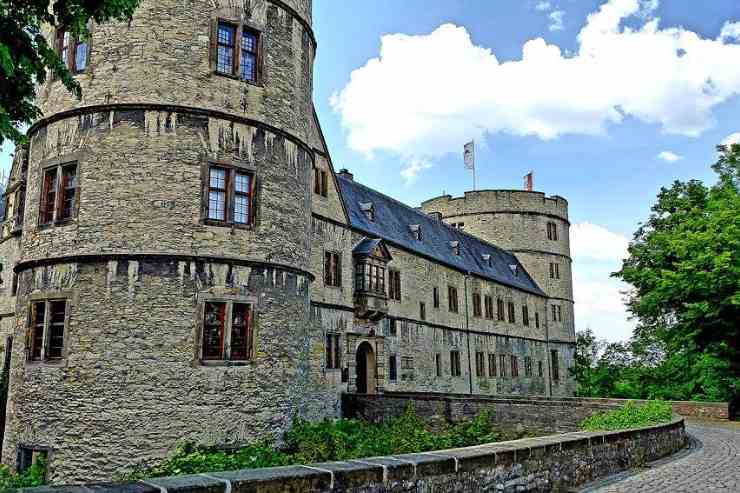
(599, 305)
(668, 156)
(543, 6)
(730, 31)
(404, 102)
(591, 241)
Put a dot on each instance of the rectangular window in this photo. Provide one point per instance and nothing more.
(226, 48)
(512, 312)
(540, 369)
(554, 313)
(422, 311)
(392, 368)
(438, 364)
(237, 51)
(452, 298)
(491, 365)
(537, 319)
(393, 326)
(527, 366)
(230, 193)
(552, 231)
(552, 270)
(488, 301)
(502, 365)
(455, 363)
(557, 271)
(514, 366)
(59, 194)
(73, 50)
(333, 352)
(477, 312)
(320, 182)
(555, 371)
(500, 309)
(560, 313)
(28, 456)
(435, 296)
(525, 315)
(227, 331)
(47, 325)
(248, 61)
(480, 365)
(332, 269)
(394, 285)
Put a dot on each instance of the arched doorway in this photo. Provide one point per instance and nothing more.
(365, 368)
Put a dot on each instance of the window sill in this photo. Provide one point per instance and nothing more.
(57, 224)
(226, 224)
(222, 363)
(57, 363)
(237, 78)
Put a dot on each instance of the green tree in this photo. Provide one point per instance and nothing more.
(684, 266)
(26, 58)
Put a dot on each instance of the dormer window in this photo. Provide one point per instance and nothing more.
(416, 231)
(369, 210)
(455, 246)
(487, 259)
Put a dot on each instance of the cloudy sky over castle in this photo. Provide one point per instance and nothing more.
(606, 101)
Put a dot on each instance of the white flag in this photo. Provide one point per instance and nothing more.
(469, 155)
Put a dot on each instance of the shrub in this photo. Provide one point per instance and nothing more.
(33, 476)
(327, 440)
(629, 416)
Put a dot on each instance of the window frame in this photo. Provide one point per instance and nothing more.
(60, 193)
(555, 365)
(525, 315)
(435, 297)
(480, 364)
(71, 49)
(333, 351)
(321, 182)
(511, 309)
(455, 368)
(514, 366)
(492, 365)
(394, 284)
(477, 309)
(438, 364)
(44, 358)
(232, 170)
(488, 305)
(422, 311)
(393, 368)
(332, 269)
(452, 299)
(252, 327)
(239, 28)
(500, 310)
(502, 365)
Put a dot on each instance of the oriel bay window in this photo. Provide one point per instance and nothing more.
(230, 196)
(59, 194)
(236, 51)
(228, 331)
(47, 326)
(370, 278)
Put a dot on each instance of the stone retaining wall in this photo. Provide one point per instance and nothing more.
(550, 414)
(553, 463)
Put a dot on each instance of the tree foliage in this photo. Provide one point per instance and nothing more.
(27, 58)
(684, 269)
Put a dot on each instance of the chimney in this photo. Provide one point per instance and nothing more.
(344, 173)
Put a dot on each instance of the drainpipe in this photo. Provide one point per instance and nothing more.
(547, 350)
(467, 332)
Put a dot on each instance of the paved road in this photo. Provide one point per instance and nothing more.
(713, 464)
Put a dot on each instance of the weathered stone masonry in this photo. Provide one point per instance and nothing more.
(138, 261)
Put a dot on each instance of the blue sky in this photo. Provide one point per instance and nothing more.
(589, 103)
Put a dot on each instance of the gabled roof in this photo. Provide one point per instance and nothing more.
(368, 246)
(392, 221)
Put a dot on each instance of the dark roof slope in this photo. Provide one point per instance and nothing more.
(393, 221)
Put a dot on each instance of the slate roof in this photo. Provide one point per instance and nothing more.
(366, 246)
(393, 221)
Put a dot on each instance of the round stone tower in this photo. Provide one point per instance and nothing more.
(536, 229)
(163, 284)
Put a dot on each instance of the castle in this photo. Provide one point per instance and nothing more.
(182, 262)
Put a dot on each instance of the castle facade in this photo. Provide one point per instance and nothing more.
(181, 262)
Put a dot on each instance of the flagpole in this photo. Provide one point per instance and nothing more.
(473, 167)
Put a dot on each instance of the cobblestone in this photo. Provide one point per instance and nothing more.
(712, 465)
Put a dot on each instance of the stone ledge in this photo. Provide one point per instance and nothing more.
(541, 464)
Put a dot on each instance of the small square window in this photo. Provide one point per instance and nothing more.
(227, 333)
(47, 327)
(230, 196)
(59, 194)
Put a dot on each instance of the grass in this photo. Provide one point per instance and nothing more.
(629, 416)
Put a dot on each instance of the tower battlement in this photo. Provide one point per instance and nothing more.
(479, 201)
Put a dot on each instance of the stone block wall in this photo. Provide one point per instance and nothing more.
(554, 463)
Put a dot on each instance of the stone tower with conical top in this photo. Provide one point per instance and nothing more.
(163, 277)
